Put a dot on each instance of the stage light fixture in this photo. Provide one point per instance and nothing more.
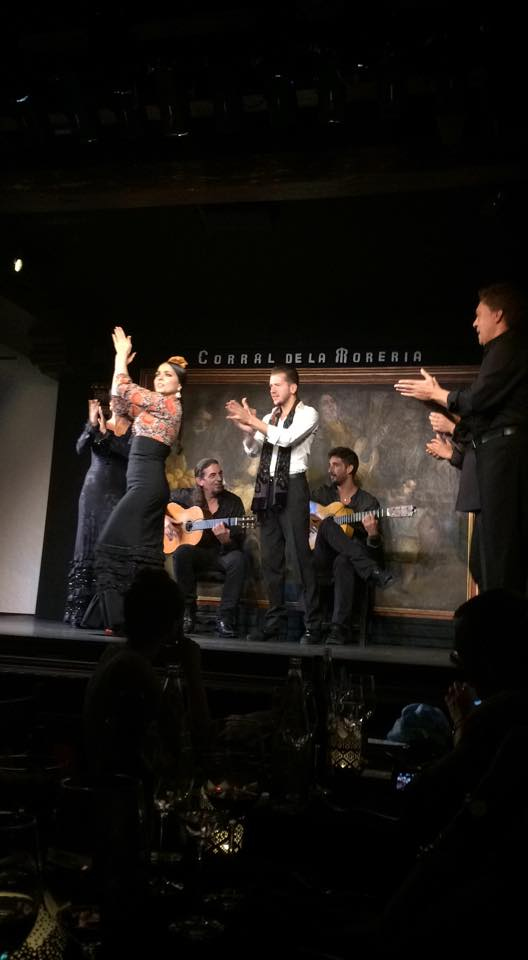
(18, 264)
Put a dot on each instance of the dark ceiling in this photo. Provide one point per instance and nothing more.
(256, 172)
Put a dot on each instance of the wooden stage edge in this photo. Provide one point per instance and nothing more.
(30, 644)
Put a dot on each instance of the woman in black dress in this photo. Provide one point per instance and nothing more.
(102, 489)
(132, 538)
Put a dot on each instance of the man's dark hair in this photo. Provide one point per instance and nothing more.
(347, 455)
(153, 605)
(202, 465)
(508, 298)
(290, 372)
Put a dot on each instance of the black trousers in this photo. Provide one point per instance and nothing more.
(502, 470)
(345, 558)
(291, 526)
(189, 562)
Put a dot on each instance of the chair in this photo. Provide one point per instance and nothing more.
(208, 593)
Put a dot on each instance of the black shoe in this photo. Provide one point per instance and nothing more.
(337, 635)
(311, 637)
(225, 629)
(263, 636)
(381, 578)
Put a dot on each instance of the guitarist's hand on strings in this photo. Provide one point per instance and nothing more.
(371, 526)
(222, 533)
(169, 528)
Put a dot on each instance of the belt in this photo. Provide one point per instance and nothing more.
(493, 434)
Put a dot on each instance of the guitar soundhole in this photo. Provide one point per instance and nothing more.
(188, 526)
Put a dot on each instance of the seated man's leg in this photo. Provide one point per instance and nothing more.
(234, 565)
(186, 563)
(344, 585)
(350, 547)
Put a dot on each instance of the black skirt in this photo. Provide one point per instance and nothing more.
(132, 537)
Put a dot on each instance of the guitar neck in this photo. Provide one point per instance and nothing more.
(208, 524)
(348, 518)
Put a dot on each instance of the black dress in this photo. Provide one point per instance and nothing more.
(102, 489)
(132, 537)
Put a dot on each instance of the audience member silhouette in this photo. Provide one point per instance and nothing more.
(128, 722)
(470, 809)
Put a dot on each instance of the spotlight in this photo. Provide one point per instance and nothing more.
(18, 264)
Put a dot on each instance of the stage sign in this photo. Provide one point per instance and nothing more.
(210, 356)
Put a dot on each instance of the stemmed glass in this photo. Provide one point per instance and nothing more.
(235, 776)
(199, 819)
(215, 819)
(20, 893)
(171, 796)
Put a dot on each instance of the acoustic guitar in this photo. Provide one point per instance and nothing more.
(346, 519)
(188, 525)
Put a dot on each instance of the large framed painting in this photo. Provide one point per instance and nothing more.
(358, 408)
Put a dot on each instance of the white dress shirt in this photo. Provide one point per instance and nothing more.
(299, 436)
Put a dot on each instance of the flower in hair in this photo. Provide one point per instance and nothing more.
(179, 361)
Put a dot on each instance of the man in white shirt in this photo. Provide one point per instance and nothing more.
(283, 438)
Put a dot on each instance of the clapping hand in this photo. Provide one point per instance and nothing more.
(440, 423)
(93, 412)
(101, 420)
(419, 389)
(439, 448)
(241, 413)
(460, 701)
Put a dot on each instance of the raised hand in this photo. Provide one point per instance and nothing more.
(93, 412)
(123, 345)
(101, 420)
(419, 389)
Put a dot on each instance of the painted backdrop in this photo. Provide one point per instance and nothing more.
(428, 551)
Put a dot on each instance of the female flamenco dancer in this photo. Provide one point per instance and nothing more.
(133, 535)
(102, 489)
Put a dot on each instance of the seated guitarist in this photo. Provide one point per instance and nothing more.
(220, 548)
(347, 557)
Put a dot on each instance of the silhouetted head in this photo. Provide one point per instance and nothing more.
(491, 641)
(153, 611)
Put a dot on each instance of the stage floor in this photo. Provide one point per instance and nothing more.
(23, 635)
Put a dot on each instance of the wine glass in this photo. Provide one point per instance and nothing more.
(171, 796)
(20, 893)
(199, 819)
(356, 694)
